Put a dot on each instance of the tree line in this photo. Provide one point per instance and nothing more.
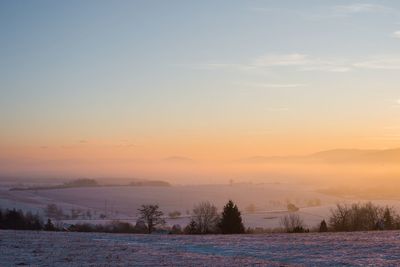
(205, 219)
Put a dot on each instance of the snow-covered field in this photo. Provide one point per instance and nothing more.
(18, 248)
(122, 202)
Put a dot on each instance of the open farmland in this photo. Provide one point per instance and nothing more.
(92, 249)
(121, 202)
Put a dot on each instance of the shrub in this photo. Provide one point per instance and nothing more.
(18, 220)
(292, 207)
(292, 223)
(174, 214)
(191, 228)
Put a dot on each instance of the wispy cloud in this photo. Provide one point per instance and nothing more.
(218, 66)
(272, 85)
(361, 8)
(396, 34)
(303, 62)
(384, 62)
(386, 137)
(298, 61)
(396, 105)
(346, 11)
(282, 60)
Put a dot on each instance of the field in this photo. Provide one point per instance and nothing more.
(122, 202)
(92, 249)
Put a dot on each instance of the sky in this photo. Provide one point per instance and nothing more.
(107, 88)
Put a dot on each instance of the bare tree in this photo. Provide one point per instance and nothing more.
(53, 211)
(151, 216)
(206, 218)
(292, 223)
(340, 218)
(361, 217)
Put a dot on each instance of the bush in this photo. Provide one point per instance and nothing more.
(292, 207)
(176, 229)
(191, 228)
(140, 227)
(292, 223)
(174, 214)
(18, 220)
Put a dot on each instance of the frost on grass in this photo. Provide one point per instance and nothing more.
(95, 249)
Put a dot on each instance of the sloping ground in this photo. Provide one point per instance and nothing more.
(122, 202)
(92, 249)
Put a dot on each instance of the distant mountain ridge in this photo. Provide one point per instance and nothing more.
(334, 156)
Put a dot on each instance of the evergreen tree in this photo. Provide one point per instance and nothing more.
(191, 228)
(231, 221)
(49, 226)
(323, 227)
(388, 219)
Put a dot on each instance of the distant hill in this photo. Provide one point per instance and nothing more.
(91, 183)
(84, 182)
(150, 183)
(389, 156)
(358, 156)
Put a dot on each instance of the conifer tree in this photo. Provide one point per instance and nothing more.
(231, 221)
(323, 226)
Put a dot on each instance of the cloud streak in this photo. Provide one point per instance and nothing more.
(298, 61)
(396, 34)
(273, 85)
(380, 63)
(361, 8)
(304, 62)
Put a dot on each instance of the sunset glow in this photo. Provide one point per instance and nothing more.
(181, 89)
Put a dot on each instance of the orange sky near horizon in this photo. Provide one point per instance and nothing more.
(84, 95)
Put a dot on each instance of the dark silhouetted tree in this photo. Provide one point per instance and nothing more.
(360, 217)
(191, 228)
(151, 216)
(388, 220)
(323, 227)
(231, 221)
(206, 217)
(16, 219)
(49, 226)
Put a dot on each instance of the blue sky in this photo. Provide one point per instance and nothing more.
(156, 71)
